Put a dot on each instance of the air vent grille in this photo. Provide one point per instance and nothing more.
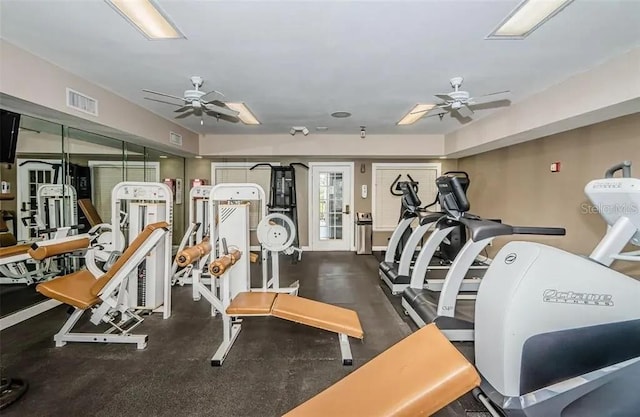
(175, 139)
(82, 102)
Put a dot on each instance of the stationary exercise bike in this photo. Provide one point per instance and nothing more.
(559, 334)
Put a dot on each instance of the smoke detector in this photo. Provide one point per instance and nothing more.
(296, 129)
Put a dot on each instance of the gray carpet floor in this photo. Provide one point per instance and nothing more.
(273, 366)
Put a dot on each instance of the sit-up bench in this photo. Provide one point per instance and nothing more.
(414, 378)
(104, 294)
(324, 316)
(312, 313)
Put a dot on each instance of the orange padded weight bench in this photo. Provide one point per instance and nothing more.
(324, 316)
(414, 378)
(104, 295)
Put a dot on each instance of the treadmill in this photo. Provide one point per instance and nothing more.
(410, 210)
(452, 309)
(397, 276)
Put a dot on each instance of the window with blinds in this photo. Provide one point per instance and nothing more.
(106, 175)
(229, 172)
(386, 207)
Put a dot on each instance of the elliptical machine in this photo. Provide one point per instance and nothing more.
(558, 335)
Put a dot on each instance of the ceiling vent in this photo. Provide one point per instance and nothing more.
(82, 102)
(175, 139)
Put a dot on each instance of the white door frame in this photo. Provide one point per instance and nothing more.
(350, 223)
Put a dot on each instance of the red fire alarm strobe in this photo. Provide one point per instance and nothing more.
(555, 167)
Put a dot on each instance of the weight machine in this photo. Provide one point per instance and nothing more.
(149, 285)
(197, 231)
(282, 197)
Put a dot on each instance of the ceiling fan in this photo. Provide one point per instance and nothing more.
(193, 103)
(461, 105)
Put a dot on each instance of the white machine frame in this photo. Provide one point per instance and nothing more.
(113, 297)
(52, 196)
(197, 230)
(229, 222)
(159, 194)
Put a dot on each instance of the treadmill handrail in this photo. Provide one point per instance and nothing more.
(482, 229)
(543, 231)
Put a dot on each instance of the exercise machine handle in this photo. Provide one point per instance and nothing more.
(625, 167)
(543, 231)
(393, 186)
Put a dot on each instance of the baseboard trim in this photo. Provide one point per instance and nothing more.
(27, 313)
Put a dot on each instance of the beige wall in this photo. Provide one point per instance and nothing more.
(327, 145)
(47, 84)
(201, 168)
(609, 90)
(516, 185)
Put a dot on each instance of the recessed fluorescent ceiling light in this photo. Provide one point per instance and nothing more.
(415, 114)
(198, 157)
(163, 156)
(146, 16)
(244, 114)
(527, 17)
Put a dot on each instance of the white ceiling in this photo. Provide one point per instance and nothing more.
(294, 63)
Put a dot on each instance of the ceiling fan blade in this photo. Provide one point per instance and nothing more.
(436, 107)
(225, 117)
(221, 110)
(445, 97)
(212, 91)
(181, 109)
(215, 103)
(186, 114)
(497, 93)
(464, 111)
(163, 94)
(490, 104)
(463, 120)
(162, 101)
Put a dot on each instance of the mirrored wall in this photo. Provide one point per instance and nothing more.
(63, 177)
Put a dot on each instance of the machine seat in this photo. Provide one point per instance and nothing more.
(14, 250)
(297, 309)
(73, 289)
(425, 370)
(252, 303)
(317, 314)
(81, 289)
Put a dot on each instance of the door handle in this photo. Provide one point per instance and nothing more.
(347, 210)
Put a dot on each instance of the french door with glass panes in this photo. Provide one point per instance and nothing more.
(331, 206)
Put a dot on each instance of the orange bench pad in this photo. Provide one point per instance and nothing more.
(414, 378)
(317, 314)
(73, 289)
(252, 303)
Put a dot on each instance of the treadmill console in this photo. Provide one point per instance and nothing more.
(452, 195)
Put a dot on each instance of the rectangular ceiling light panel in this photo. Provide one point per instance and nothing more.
(146, 16)
(527, 17)
(244, 114)
(415, 114)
